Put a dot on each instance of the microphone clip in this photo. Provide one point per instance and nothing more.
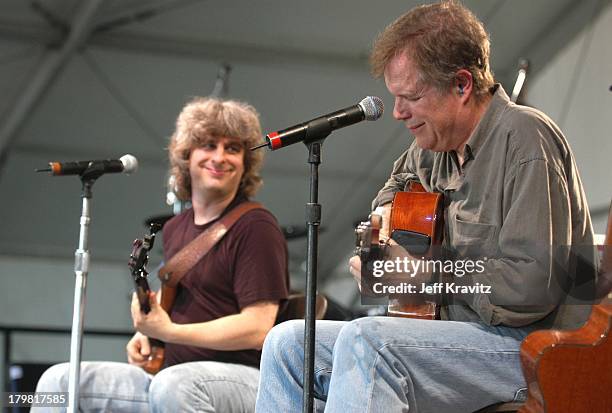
(94, 170)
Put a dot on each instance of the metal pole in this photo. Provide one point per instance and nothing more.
(81, 269)
(313, 218)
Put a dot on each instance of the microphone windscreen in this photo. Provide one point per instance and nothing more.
(130, 163)
(373, 107)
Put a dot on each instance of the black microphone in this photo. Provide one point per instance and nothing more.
(127, 164)
(370, 108)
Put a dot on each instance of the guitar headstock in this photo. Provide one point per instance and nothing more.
(138, 257)
(140, 251)
(138, 266)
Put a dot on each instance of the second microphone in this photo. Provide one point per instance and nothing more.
(370, 108)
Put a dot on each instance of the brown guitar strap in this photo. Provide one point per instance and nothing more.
(176, 268)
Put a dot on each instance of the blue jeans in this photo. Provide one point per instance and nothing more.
(386, 364)
(204, 386)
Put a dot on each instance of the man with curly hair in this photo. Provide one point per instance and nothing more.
(225, 305)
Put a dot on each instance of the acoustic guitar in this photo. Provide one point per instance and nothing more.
(416, 223)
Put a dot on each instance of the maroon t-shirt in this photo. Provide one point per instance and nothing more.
(248, 265)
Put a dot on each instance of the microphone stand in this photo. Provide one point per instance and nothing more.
(318, 130)
(81, 269)
(313, 220)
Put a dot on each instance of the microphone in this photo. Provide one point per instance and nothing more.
(370, 108)
(127, 164)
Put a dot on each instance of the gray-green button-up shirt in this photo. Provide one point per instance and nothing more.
(517, 194)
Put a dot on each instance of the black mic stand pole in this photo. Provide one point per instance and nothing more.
(313, 220)
(318, 130)
(81, 269)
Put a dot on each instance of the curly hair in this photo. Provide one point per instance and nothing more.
(202, 118)
(442, 38)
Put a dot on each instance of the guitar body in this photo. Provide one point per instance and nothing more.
(417, 224)
(419, 212)
(156, 358)
(571, 371)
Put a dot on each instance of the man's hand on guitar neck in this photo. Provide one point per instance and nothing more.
(384, 211)
(394, 254)
(156, 324)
